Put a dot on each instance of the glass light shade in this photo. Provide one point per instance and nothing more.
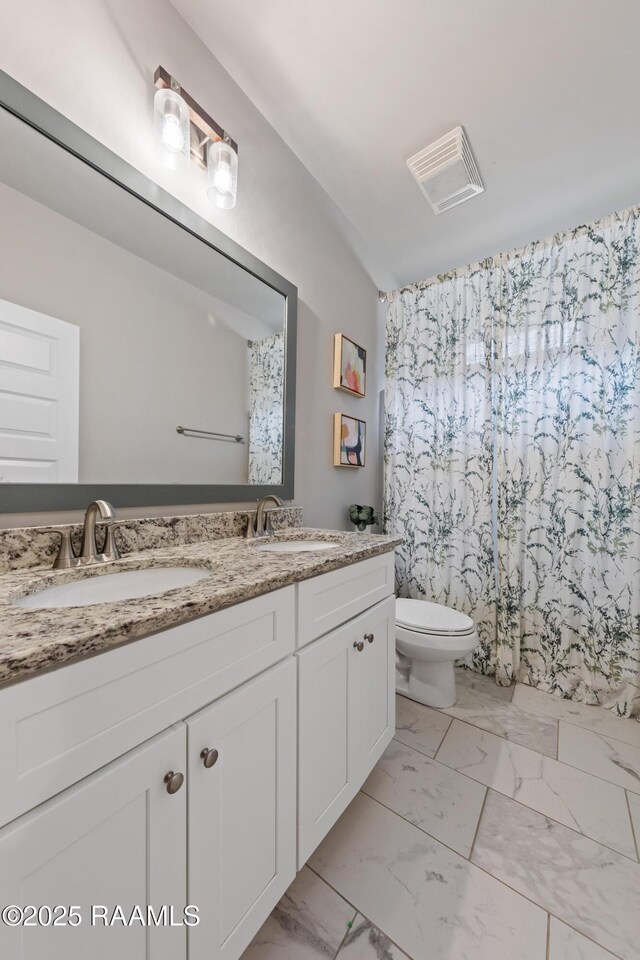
(222, 174)
(171, 121)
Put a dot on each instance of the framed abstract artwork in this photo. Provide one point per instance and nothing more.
(349, 366)
(349, 441)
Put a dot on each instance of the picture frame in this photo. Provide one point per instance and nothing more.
(349, 366)
(349, 441)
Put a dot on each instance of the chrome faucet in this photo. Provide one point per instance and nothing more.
(261, 527)
(89, 548)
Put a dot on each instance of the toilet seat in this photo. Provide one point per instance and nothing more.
(432, 619)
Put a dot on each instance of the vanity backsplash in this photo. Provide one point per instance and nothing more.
(25, 547)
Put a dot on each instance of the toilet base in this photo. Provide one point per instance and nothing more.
(431, 683)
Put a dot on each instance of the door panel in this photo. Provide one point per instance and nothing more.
(242, 811)
(39, 397)
(115, 839)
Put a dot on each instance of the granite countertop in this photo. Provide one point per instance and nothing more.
(33, 640)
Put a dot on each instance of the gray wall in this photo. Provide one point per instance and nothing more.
(93, 60)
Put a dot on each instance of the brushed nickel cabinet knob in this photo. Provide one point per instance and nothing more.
(359, 645)
(208, 757)
(370, 637)
(173, 781)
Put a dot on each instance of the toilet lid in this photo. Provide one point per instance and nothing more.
(426, 617)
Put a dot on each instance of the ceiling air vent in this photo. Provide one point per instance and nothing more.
(446, 171)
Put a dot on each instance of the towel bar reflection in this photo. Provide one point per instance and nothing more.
(208, 434)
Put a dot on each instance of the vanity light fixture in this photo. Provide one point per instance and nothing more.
(171, 122)
(222, 174)
(184, 130)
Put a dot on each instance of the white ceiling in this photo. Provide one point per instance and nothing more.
(548, 91)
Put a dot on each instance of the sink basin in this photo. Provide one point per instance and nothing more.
(296, 546)
(111, 587)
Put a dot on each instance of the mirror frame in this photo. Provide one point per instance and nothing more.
(44, 497)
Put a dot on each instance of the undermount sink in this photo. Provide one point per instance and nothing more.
(111, 587)
(296, 546)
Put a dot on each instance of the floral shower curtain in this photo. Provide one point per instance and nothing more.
(512, 462)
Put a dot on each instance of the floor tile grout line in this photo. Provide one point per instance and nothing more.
(429, 756)
(563, 762)
(443, 739)
(548, 935)
(417, 749)
(357, 911)
(636, 838)
(346, 933)
(477, 830)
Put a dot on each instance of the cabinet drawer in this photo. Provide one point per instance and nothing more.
(61, 726)
(326, 601)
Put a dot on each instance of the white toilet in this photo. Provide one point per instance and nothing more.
(429, 639)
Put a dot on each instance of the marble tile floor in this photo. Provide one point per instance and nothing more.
(504, 827)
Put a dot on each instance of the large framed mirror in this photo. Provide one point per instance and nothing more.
(144, 356)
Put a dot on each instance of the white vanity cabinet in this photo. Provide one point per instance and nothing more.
(116, 838)
(346, 717)
(269, 715)
(242, 811)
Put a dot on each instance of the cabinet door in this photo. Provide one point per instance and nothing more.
(327, 749)
(115, 839)
(375, 713)
(346, 688)
(242, 811)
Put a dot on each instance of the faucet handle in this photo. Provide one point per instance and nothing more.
(110, 548)
(66, 557)
(250, 532)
